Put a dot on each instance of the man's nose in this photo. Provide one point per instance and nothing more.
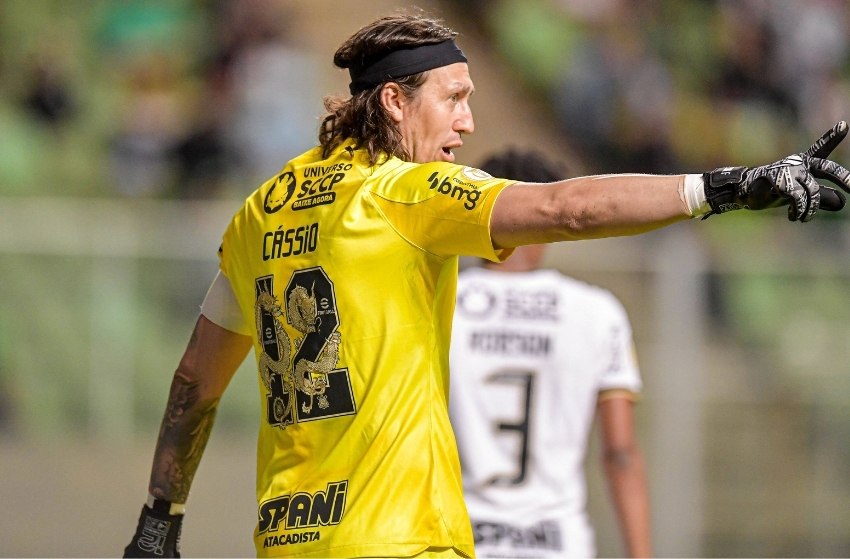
(465, 124)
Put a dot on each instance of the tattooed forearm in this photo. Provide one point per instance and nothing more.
(183, 436)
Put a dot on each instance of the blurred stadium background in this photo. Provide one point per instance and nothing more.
(130, 130)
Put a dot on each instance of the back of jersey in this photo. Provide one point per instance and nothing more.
(530, 353)
(345, 275)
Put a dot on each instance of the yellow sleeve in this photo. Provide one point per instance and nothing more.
(440, 207)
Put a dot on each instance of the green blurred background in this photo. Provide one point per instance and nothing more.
(130, 130)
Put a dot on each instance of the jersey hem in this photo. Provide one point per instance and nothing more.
(374, 550)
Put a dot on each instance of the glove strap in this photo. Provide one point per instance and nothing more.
(721, 189)
(157, 533)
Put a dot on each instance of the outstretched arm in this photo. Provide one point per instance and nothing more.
(209, 362)
(586, 208)
(615, 205)
(625, 473)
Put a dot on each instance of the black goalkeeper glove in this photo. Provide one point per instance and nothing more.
(157, 534)
(789, 181)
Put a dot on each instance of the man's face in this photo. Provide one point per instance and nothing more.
(432, 122)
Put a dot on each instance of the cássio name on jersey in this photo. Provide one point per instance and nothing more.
(292, 241)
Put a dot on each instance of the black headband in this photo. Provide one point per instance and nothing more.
(404, 62)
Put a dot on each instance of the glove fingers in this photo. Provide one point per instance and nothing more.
(831, 200)
(831, 171)
(805, 201)
(824, 145)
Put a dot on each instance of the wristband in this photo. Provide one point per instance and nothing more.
(693, 195)
(720, 188)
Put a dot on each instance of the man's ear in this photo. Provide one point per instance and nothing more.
(393, 100)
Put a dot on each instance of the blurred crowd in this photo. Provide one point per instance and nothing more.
(671, 85)
(205, 98)
(247, 108)
(180, 98)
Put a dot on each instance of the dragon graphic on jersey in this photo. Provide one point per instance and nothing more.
(308, 377)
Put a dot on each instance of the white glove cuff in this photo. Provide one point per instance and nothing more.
(693, 195)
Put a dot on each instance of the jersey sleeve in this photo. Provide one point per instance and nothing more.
(621, 370)
(221, 307)
(440, 207)
(231, 269)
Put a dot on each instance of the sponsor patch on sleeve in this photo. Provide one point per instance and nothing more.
(476, 174)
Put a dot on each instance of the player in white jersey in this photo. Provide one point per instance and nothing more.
(534, 356)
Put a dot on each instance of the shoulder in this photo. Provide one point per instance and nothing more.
(414, 182)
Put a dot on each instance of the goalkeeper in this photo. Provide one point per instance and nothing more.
(340, 272)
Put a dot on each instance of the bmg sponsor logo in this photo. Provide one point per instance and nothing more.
(455, 188)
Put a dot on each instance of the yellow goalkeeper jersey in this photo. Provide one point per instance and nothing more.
(346, 275)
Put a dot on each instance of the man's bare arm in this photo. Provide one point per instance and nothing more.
(627, 204)
(625, 473)
(587, 208)
(211, 358)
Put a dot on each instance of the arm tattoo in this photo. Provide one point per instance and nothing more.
(183, 436)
